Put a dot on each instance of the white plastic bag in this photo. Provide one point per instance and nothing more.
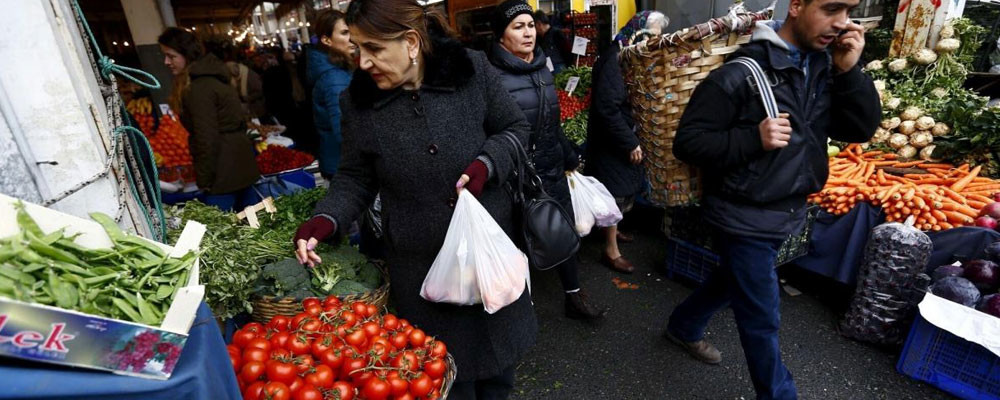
(582, 215)
(477, 263)
(590, 193)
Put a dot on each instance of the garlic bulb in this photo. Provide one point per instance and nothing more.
(925, 123)
(898, 64)
(939, 92)
(940, 128)
(921, 139)
(911, 114)
(947, 46)
(881, 135)
(926, 153)
(925, 57)
(947, 32)
(893, 103)
(891, 123)
(908, 127)
(907, 152)
(898, 140)
(874, 66)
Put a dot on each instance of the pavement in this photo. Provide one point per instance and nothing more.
(625, 357)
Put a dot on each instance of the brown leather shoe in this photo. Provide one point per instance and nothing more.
(619, 264)
(701, 350)
(579, 306)
(624, 238)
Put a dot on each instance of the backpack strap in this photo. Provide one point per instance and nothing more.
(759, 79)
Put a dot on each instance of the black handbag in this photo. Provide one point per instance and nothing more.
(547, 235)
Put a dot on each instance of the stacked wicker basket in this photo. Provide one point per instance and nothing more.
(661, 74)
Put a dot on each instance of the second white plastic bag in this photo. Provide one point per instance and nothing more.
(478, 262)
(592, 202)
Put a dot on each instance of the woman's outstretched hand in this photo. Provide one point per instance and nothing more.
(308, 236)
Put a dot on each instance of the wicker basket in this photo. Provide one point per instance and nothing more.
(660, 75)
(266, 307)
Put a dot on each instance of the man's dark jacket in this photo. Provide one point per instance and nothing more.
(752, 192)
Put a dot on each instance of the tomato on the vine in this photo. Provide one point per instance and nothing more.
(281, 372)
(279, 323)
(297, 384)
(371, 329)
(417, 338)
(299, 345)
(297, 320)
(399, 385)
(370, 310)
(280, 339)
(236, 360)
(254, 391)
(376, 388)
(277, 391)
(404, 396)
(356, 338)
(359, 308)
(304, 363)
(242, 337)
(331, 301)
(308, 392)
(399, 340)
(435, 368)
(310, 301)
(331, 358)
(259, 343)
(390, 322)
(403, 323)
(322, 377)
(406, 360)
(344, 389)
(311, 325)
(349, 318)
(280, 354)
(380, 351)
(255, 354)
(254, 327)
(438, 349)
(252, 371)
(421, 385)
(314, 310)
(321, 344)
(351, 367)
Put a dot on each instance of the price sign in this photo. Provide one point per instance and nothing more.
(548, 63)
(571, 84)
(165, 110)
(580, 45)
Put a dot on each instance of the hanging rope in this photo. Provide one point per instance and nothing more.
(106, 65)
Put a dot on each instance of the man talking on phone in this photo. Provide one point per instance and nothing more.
(758, 170)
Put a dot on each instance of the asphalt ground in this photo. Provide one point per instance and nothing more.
(625, 357)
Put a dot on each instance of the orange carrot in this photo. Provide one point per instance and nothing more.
(962, 183)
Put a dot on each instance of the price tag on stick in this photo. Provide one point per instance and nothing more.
(572, 83)
(580, 45)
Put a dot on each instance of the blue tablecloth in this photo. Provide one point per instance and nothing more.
(838, 243)
(203, 372)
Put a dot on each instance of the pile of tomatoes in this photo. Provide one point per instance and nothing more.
(340, 352)
(570, 105)
(276, 159)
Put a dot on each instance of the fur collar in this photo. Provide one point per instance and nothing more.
(449, 68)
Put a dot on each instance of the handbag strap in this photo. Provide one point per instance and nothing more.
(763, 85)
(522, 168)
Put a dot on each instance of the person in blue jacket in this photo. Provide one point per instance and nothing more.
(329, 73)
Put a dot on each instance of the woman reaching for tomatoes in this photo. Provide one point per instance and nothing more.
(421, 113)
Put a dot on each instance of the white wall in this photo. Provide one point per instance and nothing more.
(54, 106)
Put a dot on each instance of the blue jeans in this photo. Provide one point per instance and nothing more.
(746, 281)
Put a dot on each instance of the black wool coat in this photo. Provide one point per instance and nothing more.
(412, 146)
(611, 133)
(533, 87)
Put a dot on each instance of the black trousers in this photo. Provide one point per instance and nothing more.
(495, 388)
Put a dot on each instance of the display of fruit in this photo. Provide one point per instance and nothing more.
(338, 351)
(275, 159)
(166, 136)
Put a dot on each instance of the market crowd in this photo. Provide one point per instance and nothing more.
(395, 107)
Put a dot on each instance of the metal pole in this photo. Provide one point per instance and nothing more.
(167, 13)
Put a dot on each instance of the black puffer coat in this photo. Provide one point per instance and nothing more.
(611, 133)
(533, 87)
(412, 146)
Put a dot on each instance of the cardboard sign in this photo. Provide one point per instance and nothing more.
(250, 212)
(572, 83)
(580, 45)
(165, 110)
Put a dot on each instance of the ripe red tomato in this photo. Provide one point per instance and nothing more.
(279, 340)
(399, 385)
(344, 389)
(436, 384)
(403, 323)
(297, 384)
(399, 340)
(438, 349)
(356, 338)
(435, 395)
(376, 389)
(331, 301)
(406, 360)
(297, 320)
(323, 377)
(311, 325)
(371, 329)
(304, 363)
(279, 323)
(255, 354)
(281, 372)
(242, 337)
(254, 327)
(259, 343)
(252, 371)
(351, 368)
(380, 351)
(331, 358)
(390, 322)
(231, 348)
(417, 338)
(299, 345)
(404, 396)
(435, 368)
(371, 310)
(253, 391)
(277, 391)
(310, 301)
(349, 318)
(280, 354)
(421, 385)
(359, 308)
(236, 360)
(322, 344)
(314, 309)
(308, 392)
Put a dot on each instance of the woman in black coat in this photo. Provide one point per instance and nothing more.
(524, 74)
(420, 114)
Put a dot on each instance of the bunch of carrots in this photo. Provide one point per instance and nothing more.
(942, 198)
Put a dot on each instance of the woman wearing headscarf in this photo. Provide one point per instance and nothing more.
(613, 153)
(211, 111)
(422, 118)
(524, 74)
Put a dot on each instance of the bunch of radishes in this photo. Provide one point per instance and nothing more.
(990, 214)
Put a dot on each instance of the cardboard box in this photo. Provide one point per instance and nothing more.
(54, 335)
